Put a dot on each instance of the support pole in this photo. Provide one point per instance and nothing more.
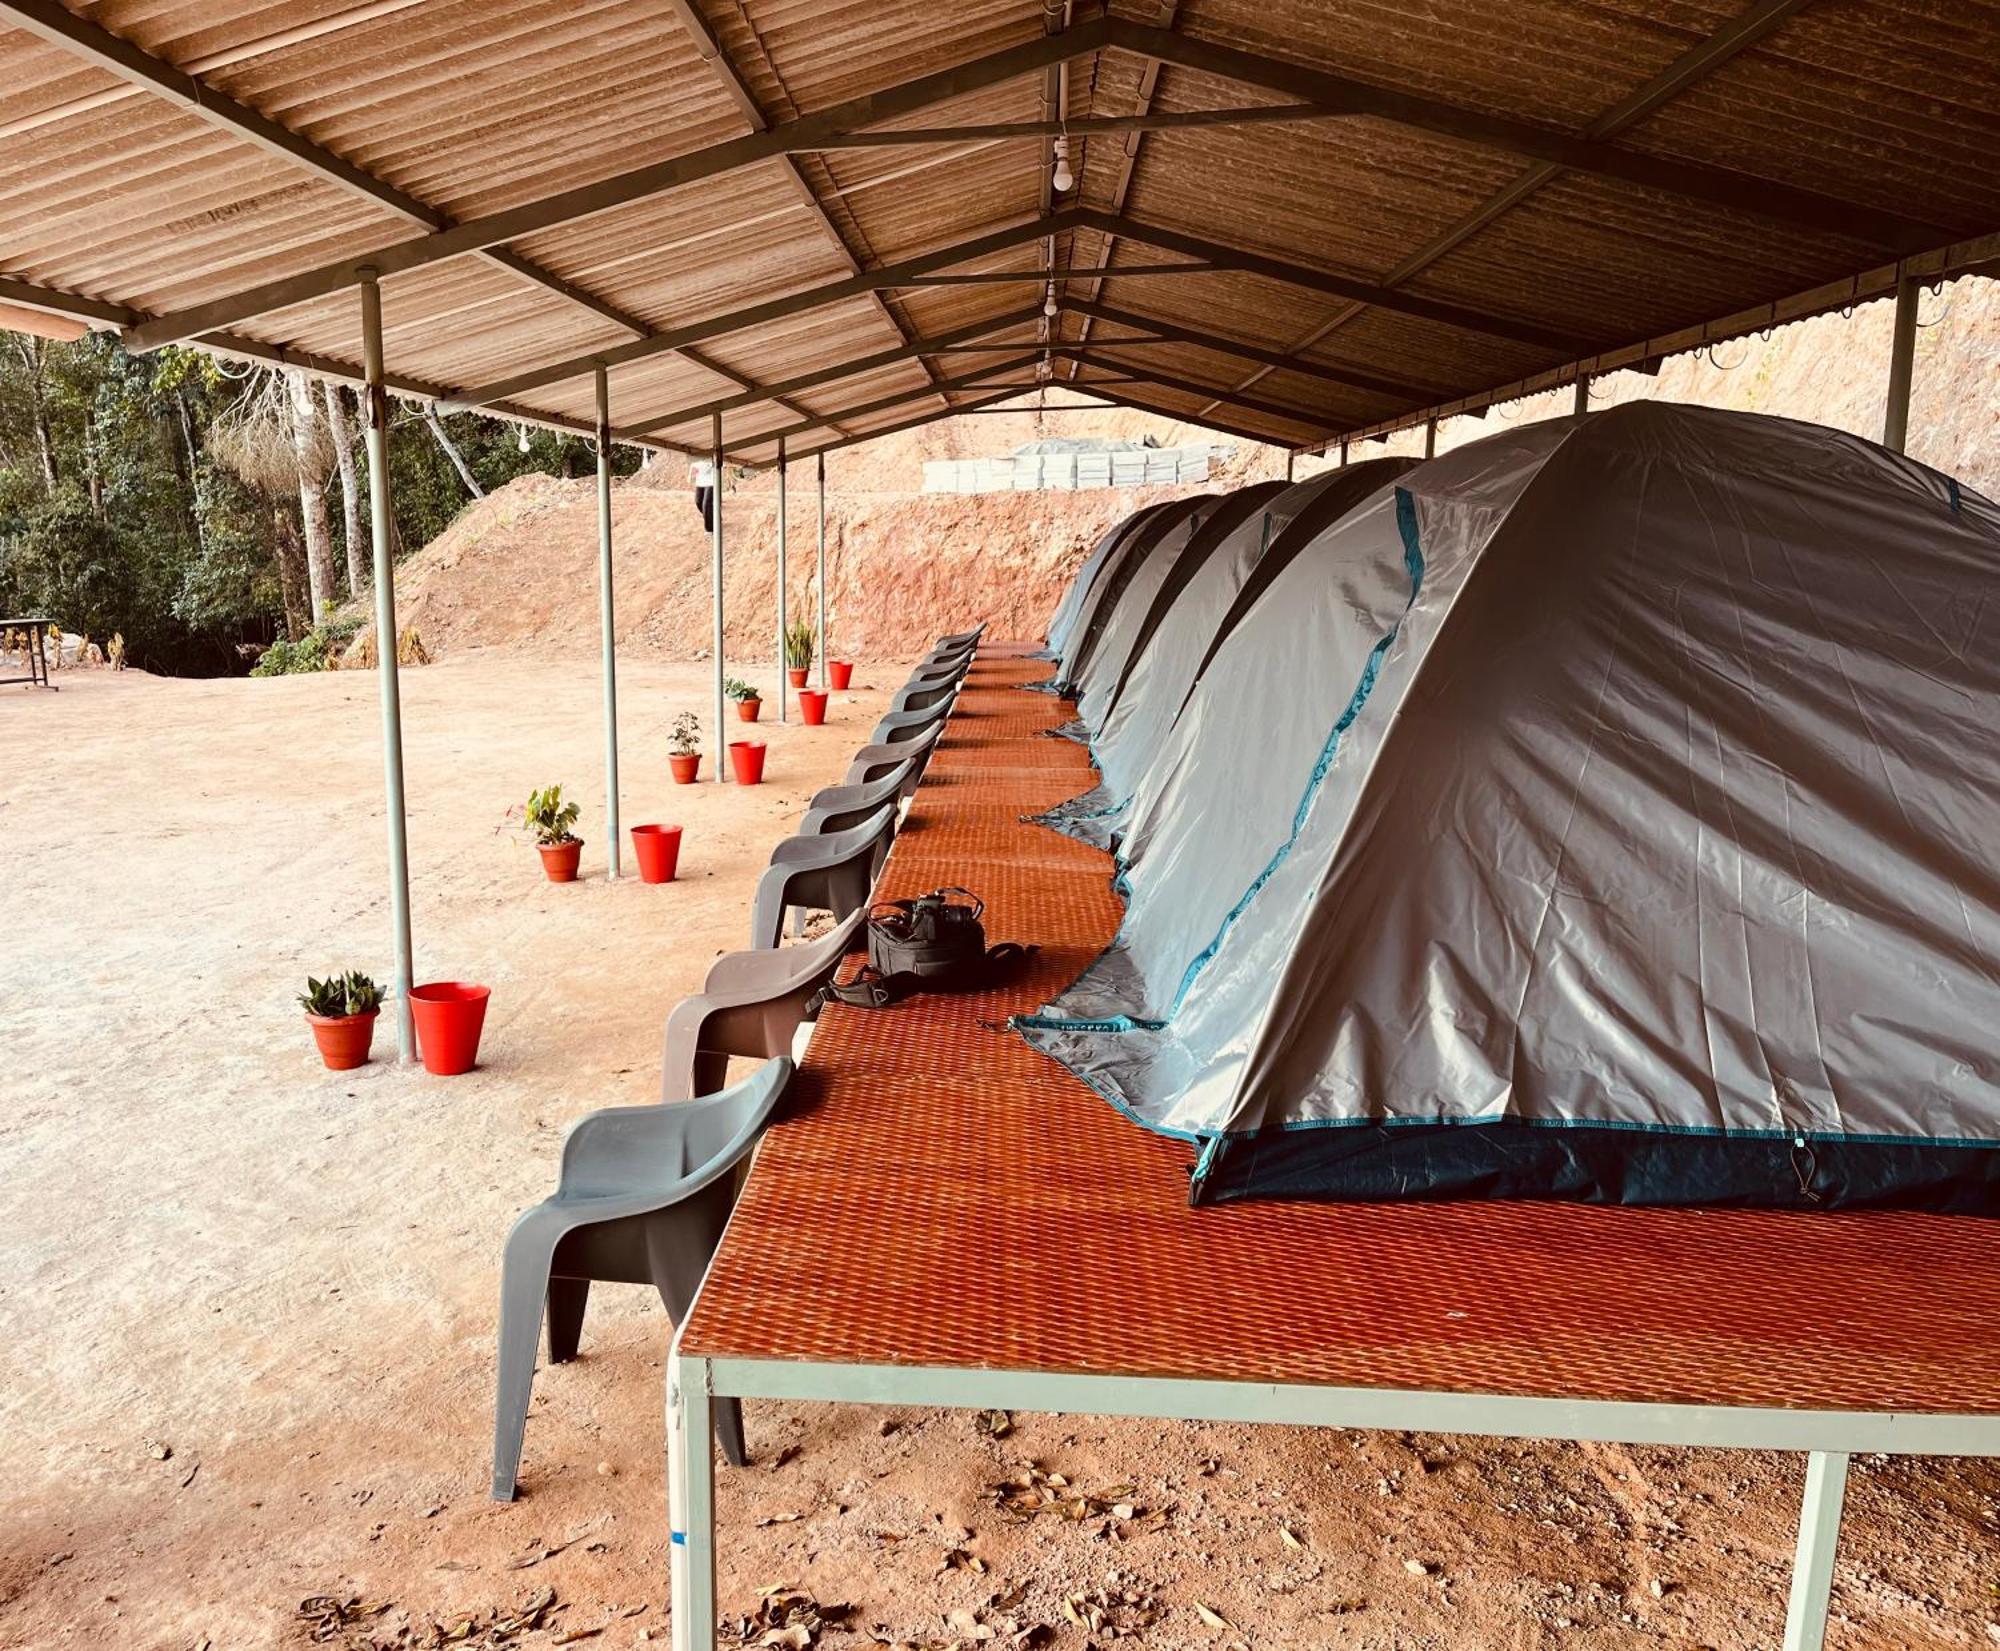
(1580, 404)
(715, 579)
(1343, 452)
(1902, 365)
(382, 536)
(690, 1502)
(1291, 457)
(1430, 438)
(1819, 1535)
(604, 618)
(821, 458)
(784, 682)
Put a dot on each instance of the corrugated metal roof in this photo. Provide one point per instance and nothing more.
(1838, 136)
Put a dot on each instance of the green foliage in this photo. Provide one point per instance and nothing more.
(799, 638)
(739, 690)
(684, 739)
(318, 650)
(350, 994)
(116, 516)
(549, 817)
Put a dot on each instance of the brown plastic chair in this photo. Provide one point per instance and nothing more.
(921, 696)
(838, 807)
(642, 1198)
(751, 1005)
(834, 873)
(873, 761)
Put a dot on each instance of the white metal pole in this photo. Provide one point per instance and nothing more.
(690, 1502)
(1902, 366)
(604, 617)
(715, 577)
(1581, 401)
(821, 457)
(1430, 438)
(1819, 1536)
(375, 421)
(784, 682)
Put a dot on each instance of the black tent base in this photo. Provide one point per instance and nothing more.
(1594, 1165)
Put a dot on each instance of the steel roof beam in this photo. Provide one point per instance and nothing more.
(1225, 256)
(1742, 192)
(844, 369)
(1040, 277)
(587, 200)
(1081, 126)
(1126, 398)
(770, 309)
(1274, 359)
(1090, 354)
(929, 417)
(940, 386)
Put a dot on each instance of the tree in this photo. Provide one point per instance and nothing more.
(350, 492)
(312, 458)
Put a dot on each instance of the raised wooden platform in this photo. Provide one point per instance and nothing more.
(941, 1195)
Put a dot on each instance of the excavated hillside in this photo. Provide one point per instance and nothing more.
(519, 568)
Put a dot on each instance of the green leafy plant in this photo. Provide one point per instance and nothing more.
(799, 644)
(549, 817)
(739, 690)
(350, 994)
(684, 739)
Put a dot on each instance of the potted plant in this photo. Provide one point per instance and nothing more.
(748, 701)
(840, 672)
(684, 748)
(341, 1011)
(550, 819)
(798, 651)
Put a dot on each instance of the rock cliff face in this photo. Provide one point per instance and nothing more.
(520, 567)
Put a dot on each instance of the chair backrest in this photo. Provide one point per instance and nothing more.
(841, 806)
(921, 696)
(872, 761)
(899, 726)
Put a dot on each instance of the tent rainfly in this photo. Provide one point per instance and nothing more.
(1616, 828)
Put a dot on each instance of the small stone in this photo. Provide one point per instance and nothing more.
(1416, 1567)
(606, 1469)
(160, 1452)
(1658, 1587)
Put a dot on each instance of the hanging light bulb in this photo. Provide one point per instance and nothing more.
(1064, 179)
(1049, 303)
(521, 433)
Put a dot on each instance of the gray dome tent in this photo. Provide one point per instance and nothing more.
(1636, 846)
(1171, 521)
(1102, 552)
(1241, 546)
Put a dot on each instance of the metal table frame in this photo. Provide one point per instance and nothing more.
(1828, 1438)
(38, 658)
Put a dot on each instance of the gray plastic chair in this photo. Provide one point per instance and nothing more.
(750, 1005)
(833, 873)
(962, 639)
(838, 807)
(873, 761)
(928, 673)
(899, 726)
(642, 1198)
(921, 696)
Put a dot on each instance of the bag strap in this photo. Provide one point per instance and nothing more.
(869, 990)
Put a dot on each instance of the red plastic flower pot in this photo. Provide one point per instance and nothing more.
(747, 709)
(840, 672)
(450, 1015)
(559, 859)
(796, 675)
(812, 706)
(685, 767)
(746, 758)
(657, 848)
(343, 1039)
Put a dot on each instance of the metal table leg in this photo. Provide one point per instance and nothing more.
(1819, 1535)
(691, 1501)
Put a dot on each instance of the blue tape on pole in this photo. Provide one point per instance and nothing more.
(680, 1539)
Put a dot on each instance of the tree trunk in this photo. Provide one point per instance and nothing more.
(291, 571)
(451, 452)
(350, 489)
(309, 451)
(32, 359)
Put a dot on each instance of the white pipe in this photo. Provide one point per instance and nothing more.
(715, 538)
(784, 682)
(823, 679)
(375, 421)
(1902, 365)
(605, 620)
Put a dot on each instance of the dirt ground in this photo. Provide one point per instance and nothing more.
(246, 1306)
